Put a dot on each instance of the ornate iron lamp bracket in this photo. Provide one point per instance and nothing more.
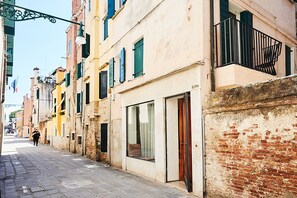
(17, 13)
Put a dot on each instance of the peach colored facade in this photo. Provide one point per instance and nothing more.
(27, 115)
(74, 57)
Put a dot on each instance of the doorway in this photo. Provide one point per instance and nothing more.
(178, 140)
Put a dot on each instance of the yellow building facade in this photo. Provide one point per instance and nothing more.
(56, 126)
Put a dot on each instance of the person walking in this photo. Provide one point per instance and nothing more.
(36, 135)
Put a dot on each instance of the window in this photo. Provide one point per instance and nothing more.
(87, 93)
(63, 129)
(55, 105)
(78, 139)
(119, 4)
(67, 79)
(72, 136)
(111, 73)
(89, 5)
(105, 28)
(141, 131)
(86, 47)
(37, 94)
(138, 58)
(288, 61)
(63, 101)
(56, 132)
(122, 65)
(104, 128)
(79, 70)
(69, 48)
(78, 103)
(103, 84)
(69, 107)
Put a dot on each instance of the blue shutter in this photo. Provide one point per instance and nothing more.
(123, 2)
(111, 8)
(122, 65)
(111, 73)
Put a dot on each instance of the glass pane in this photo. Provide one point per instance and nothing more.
(141, 131)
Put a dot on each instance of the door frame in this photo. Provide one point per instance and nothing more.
(177, 96)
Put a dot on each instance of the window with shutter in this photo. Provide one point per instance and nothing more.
(55, 105)
(288, 60)
(37, 94)
(105, 28)
(122, 65)
(67, 83)
(246, 38)
(87, 93)
(104, 128)
(138, 58)
(78, 71)
(111, 73)
(86, 47)
(78, 103)
(103, 84)
(63, 103)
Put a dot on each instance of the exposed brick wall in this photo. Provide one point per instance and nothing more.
(251, 141)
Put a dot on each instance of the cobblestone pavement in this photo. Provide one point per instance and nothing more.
(28, 171)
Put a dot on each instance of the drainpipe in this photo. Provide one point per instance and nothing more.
(212, 75)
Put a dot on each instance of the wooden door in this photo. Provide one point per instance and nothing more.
(185, 146)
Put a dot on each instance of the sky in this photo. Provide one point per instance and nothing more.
(38, 43)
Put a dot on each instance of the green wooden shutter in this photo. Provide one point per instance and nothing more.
(111, 73)
(78, 71)
(224, 14)
(86, 48)
(9, 25)
(288, 60)
(67, 79)
(105, 33)
(138, 58)
(224, 9)
(78, 103)
(246, 38)
(104, 128)
(87, 93)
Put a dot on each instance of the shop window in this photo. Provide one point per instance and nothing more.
(141, 131)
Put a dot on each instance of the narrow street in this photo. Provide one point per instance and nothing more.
(29, 171)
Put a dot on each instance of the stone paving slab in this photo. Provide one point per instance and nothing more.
(27, 171)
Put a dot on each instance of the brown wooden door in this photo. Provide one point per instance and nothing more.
(185, 146)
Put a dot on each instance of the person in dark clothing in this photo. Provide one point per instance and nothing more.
(36, 135)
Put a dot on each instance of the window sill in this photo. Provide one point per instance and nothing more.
(143, 159)
(117, 12)
(134, 78)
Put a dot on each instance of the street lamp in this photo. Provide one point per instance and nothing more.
(18, 13)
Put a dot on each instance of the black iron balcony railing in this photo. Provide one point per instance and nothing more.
(237, 43)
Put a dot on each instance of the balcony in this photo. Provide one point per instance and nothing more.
(243, 55)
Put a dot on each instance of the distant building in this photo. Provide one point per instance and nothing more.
(42, 103)
(19, 122)
(27, 128)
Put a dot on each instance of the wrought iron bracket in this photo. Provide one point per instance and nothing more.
(17, 13)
